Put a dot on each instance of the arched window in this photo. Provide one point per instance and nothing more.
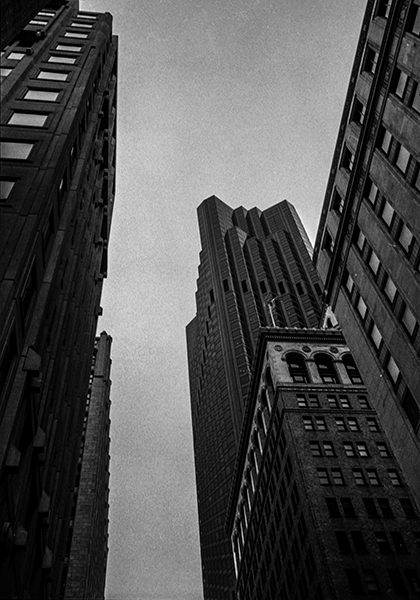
(352, 370)
(326, 368)
(297, 368)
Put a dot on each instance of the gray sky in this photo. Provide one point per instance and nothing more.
(237, 98)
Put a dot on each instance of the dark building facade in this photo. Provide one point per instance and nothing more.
(319, 507)
(16, 14)
(89, 543)
(255, 270)
(58, 127)
(367, 250)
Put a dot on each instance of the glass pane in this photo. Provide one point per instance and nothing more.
(68, 48)
(82, 25)
(15, 150)
(390, 289)
(392, 369)
(43, 95)
(5, 72)
(27, 119)
(376, 336)
(65, 60)
(74, 34)
(52, 75)
(15, 56)
(409, 320)
(403, 158)
(36, 22)
(374, 262)
(405, 238)
(387, 213)
(402, 81)
(5, 189)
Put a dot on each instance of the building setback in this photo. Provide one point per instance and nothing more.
(255, 270)
(89, 545)
(319, 507)
(367, 250)
(58, 128)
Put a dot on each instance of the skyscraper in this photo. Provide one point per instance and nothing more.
(255, 270)
(367, 250)
(58, 127)
(319, 507)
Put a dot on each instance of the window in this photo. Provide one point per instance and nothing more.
(6, 186)
(37, 22)
(392, 369)
(343, 542)
(382, 8)
(328, 448)
(360, 241)
(52, 75)
(340, 424)
(15, 150)
(315, 448)
(332, 506)
(413, 580)
(348, 449)
(313, 401)
(42, 95)
(337, 203)
(405, 238)
(385, 139)
(323, 477)
(332, 401)
(328, 244)
(297, 368)
(358, 112)
(411, 409)
(372, 476)
(84, 16)
(413, 24)
(371, 191)
(349, 283)
(385, 507)
(27, 119)
(361, 308)
(398, 542)
(370, 507)
(362, 449)
(68, 48)
(390, 289)
(347, 159)
(352, 371)
(408, 508)
(355, 583)
(337, 477)
(301, 401)
(400, 83)
(372, 424)
(374, 262)
(353, 424)
(409, 321)
(81, 25)
(394, 477)
(363, 402)
(375, 336)
(307, 423)
(320, 424)
(15, 56)
(384, 546)
(348, 507)
(326, 368)
(383, 450)
(415, 102)
(403, 156)
(44, 13)
(75, 34)
(358, 542)
(344, 401)
(64, 60)
(387, 213)
(397, 582)
(370, 60)
(359, 478)
(370, 581)
(4, 72)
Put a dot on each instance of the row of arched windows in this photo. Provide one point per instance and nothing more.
(326, 368)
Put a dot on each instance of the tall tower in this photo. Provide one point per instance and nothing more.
(367, 250)
(255, 270)
(58, 127)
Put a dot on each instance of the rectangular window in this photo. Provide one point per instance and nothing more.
(315, 449)
(387, 213)
(328, 449)
(358, 542)
(415, 101)
(42, 95)
(383, 450)
(390, 289)
(344, 401)
(332, 506)
(337, 203)
(27, 119)
(398, 542)
(403, 157)
(384, 546)
(64, 60)
(332, 401)
(353, 424)
(75, 34)
(359, 478)
(323, 477)
(374, 262)
(385, 507)
(347, 159)
(400, 83)
(37, 22)
(409, 321)
(349, 283)
(301, 401)
(370, 507)
(370, 61)
(6, 186)
(361, 308)
(68, 48)
(84, 16)
(405, 238)
(348, 449)
(363, 402)
(372, 424)
(372, 192)
(307, 423)
(4, 72)
(375, 336)
(337, 477)
(313, 401)
(348, 507)
(392, 369)
(343, 542)
(360, 241)
(358, 112)
(394, 477)
(372, 476)
(15, 56)
(382, 8)
(81, 25)
(340, 424)
(408, 508)
(354, 581)
(15, 150)
(385, 139)
(44, 13)
(320, 424)
(362, 449)
(52, 76)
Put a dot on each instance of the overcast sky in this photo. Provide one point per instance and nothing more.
(237, 98)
